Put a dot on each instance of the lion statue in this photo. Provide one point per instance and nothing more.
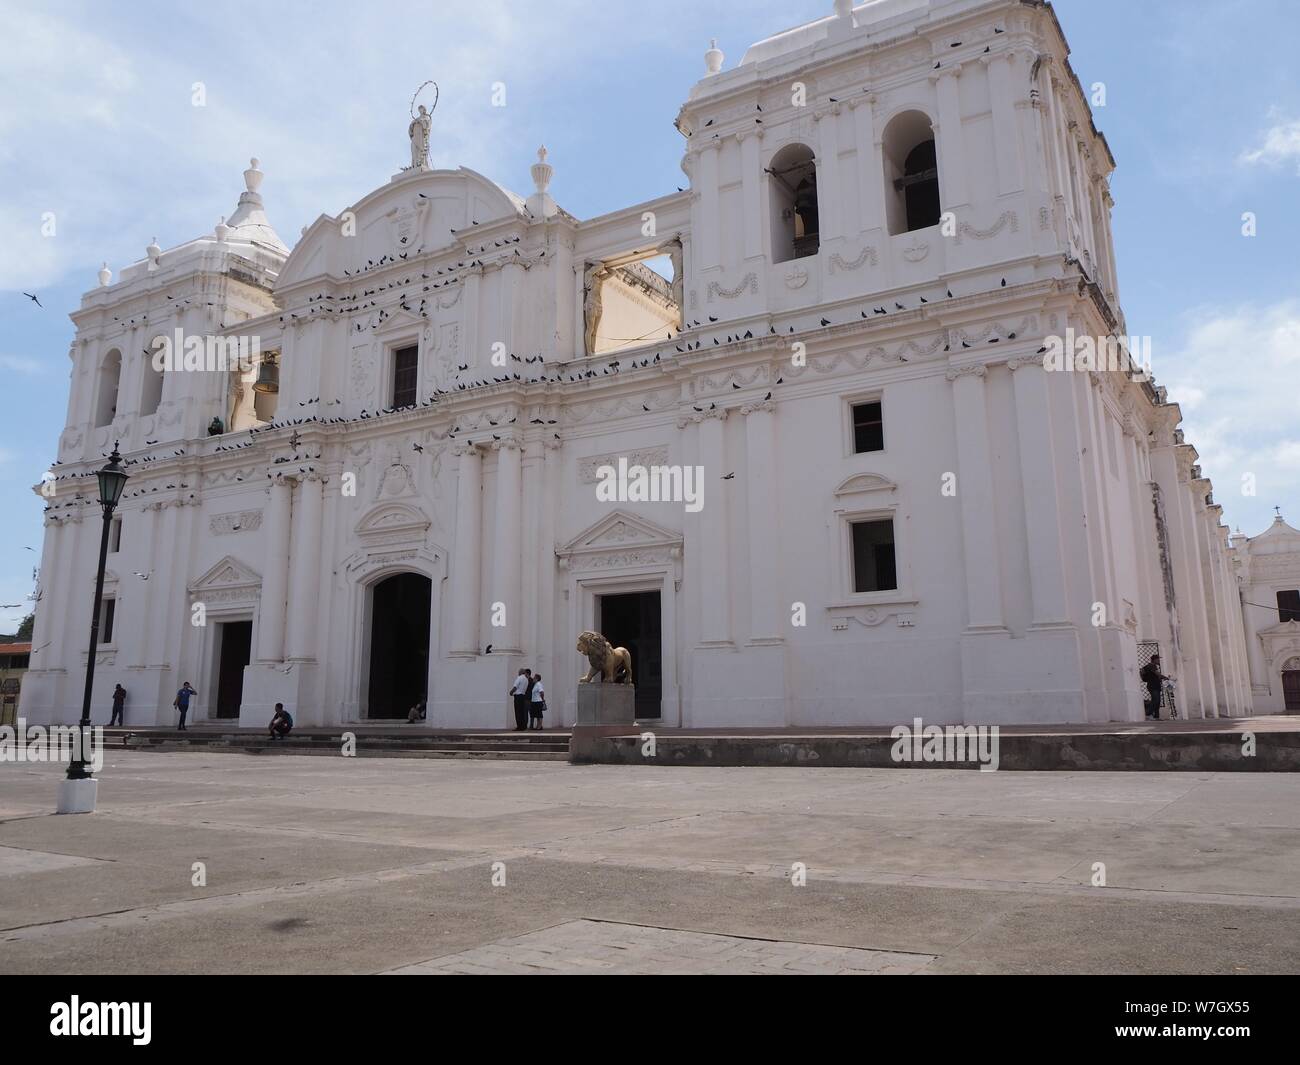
(612, 664)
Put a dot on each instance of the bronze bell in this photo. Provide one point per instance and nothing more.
(268, 377)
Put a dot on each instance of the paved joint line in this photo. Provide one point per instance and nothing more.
(243, 899)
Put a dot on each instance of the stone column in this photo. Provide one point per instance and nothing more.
(1002, 97)
(751, 168)
(1052, 131)
(829, 195)
(52, 572)
(714, 568)
(507, 545)
(512, 296)
(149, 519)
(871, 166)
(764, 544)
(948, 137)
(305, 575)
(470, 303)
(466, 559)
(1042, 507)
(275, 573)
(975, 490)
(707, 211)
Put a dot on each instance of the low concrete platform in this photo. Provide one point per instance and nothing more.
(1244, 745)
(1237, 745)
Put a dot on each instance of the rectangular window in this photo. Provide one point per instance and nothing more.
(406, 362)
(1288, 606)
(874, 567)
(115, 536)
(107, 615)
(868, 428)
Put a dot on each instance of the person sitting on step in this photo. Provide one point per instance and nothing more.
(281, 723)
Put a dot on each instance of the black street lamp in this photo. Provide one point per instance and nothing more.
(112, 479)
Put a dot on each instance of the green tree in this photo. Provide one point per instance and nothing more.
(25, 627)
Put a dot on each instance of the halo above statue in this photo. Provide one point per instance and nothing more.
(418, 130)
(436, 94)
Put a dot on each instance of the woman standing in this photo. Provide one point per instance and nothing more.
(537, 707)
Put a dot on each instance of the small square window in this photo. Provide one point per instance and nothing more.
(874, 565)
(868, 428)
(1288, 606)
(107, 617)
(406, 363)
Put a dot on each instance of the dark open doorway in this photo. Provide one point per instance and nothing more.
(236, 643)
(1291, 690)
(634, 620)
(399, 644)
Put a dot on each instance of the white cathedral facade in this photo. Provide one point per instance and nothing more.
(908, 509)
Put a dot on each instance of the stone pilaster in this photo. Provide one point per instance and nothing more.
(976, 496)
(506, 548)
(1041, 505)
(275, 572)
(466, 558)
(305, 575)
(762, 505)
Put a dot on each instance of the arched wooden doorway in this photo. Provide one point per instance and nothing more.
(1291, 685)
(399, 645)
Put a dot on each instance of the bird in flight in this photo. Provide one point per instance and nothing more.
(34, 299)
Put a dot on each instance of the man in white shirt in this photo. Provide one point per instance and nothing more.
(520, 692)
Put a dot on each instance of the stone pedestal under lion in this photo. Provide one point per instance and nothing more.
(606, 696)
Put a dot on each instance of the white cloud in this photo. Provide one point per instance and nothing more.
(97, 123)
(1236, 374)
(1281, 145)
(21, 364)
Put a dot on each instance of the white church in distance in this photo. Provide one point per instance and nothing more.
(845, 323)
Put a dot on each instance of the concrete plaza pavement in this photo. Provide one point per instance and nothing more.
(316, 864)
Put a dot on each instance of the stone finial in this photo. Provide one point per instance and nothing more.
(153, 252)
(105, 276)
(222, 231)
(253, 176)
(713, 58)
(541, 204)
(542, 171)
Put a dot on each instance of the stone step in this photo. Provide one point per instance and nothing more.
(534, 746)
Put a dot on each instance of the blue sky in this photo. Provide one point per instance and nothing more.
(97, 125)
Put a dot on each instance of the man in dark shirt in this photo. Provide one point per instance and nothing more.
(1154, 681)
(119, 705)
(281, 722)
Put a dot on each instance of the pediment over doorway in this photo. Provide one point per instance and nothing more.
(393, 523)
(620, 539)
(228, 579)
(861, 483)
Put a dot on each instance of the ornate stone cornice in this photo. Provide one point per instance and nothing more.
(698, 416)
(966, 371)
(763, 405)
(1025, 360)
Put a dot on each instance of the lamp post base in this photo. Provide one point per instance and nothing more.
(78, 796)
